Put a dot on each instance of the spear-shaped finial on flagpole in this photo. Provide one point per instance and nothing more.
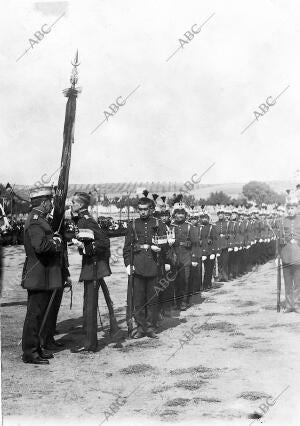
(74, 75)
(73, 78)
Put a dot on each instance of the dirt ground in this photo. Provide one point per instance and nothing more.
(230, 358)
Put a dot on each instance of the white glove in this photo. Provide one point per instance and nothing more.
(156, 249)
(230, 249)
(235, 249)
(194, 264)
(204, 257)
(167, 267)
(218, 254)
(57, 239)
(77, 243)
(212, 256)
(171, 241)
(128, 269)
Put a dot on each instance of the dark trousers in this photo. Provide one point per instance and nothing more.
(90, 303)
(208, 272)
(240, 263)
(232, 263)
(145, 303)
(196, 278)
(166, 295)
(291, 275)
(181, 284)
(223, 265)
(36, 306)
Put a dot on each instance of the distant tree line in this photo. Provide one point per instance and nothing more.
(254, 192)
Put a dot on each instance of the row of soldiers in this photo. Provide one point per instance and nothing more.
(182, 249)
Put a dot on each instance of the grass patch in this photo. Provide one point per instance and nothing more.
(168, 413)
(205, 372)
(253, 396)
(290, 324)
(199, 369)
(222, 326)
(241, 345)
(236, 333)
(141, 344)
(206, 399)
(138, 369)
(190, 384)
(161, 388)
(177, 402)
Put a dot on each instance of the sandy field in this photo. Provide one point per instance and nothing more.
(229, 359)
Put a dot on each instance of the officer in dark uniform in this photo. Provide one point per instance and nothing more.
(184, 248)
(208, 243)
(94, 246)
(222, 234)
(167, 294)
(140, 236)
(233, 244)
(290, 256)
(196, 271)
(247, 242)
(42, 273)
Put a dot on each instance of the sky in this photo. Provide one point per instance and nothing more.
(185, 113)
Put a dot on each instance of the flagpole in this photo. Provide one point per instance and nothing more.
(63, 180)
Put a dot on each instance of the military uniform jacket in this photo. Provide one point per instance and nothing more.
(290, 240)
(43, 264)
(241, 233)
(208, 239)
(95, 261)
(141, 232)
(222, 234)
(247, 233)
(253, 231)
(185, 243)
(233, 233)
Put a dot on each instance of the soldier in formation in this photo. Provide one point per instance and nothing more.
(289, 249)
(141, 257)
